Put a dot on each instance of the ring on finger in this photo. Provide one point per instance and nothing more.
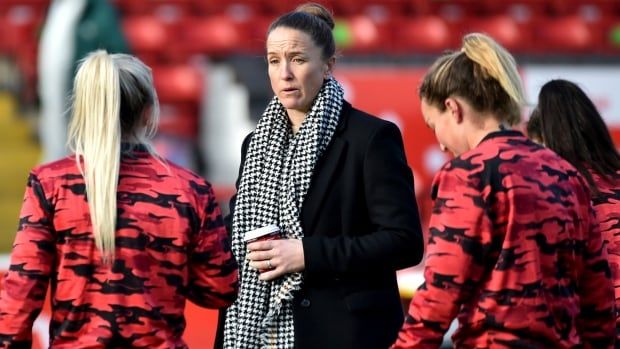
(269, 264)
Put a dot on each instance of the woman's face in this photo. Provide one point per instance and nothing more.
(447, 130)
(296, 68)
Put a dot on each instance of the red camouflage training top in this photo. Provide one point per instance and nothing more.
(514, 252)
(171, 245)
(607, 207)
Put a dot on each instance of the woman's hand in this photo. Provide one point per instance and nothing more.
(275, 258)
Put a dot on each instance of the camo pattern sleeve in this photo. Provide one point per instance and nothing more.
(607, 207)
(512, 254)
(171, 245)
(25, 283)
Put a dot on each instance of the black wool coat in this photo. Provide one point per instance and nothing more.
(361, 224)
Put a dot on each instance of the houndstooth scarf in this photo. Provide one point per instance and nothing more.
(276, 176)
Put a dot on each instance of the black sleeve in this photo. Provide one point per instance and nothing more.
(397, 240)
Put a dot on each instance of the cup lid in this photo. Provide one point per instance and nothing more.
(262, 231)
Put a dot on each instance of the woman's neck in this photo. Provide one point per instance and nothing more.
(296, 118)
(482, 128)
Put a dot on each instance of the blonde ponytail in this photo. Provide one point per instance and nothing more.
(496, 62)
(482, 72)
(95, 137)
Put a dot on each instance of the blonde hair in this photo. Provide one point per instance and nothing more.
(111, 97)
(483, 73)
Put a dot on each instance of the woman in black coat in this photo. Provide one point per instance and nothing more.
(336, 182)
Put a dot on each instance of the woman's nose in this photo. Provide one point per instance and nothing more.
(285, 71)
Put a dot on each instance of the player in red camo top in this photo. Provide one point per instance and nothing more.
(571, 126)
(122, 263)
(514, 252)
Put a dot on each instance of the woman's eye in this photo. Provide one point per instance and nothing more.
(298, 60)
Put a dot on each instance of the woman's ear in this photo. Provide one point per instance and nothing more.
(146, 119)
(455, 108)
(329, 67)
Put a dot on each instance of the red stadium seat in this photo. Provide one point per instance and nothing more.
(215, 35)
(242, 8)
(255, 33)
(146, 34)
(419, 7)
(20, 25)
(566, 34)
(424, 34)
(180, 89)
(346, 7)
(522, 11)
(148, 7)
(38, 6)
(502, 28)
(373, 8)
(358, 7)
(366, 35)
(449, 10)
(178, 83)
(276, 8)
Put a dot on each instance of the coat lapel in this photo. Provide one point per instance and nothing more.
(324, 174)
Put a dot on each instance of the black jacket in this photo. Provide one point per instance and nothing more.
(361, 224)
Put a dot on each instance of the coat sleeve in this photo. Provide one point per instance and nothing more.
(396, 241)
(213, 271)
(24, 286)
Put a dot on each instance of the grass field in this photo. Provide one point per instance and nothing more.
(18, 154)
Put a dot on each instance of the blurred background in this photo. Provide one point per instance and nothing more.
(210, 73)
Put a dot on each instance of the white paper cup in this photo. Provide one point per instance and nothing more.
(268, 232)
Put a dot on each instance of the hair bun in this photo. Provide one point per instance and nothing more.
(317, 10)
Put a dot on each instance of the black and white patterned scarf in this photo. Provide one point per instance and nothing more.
(276, 177)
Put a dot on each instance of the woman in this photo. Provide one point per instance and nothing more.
(571, 126)
(336, 182)
(513, 252)
(122, 262)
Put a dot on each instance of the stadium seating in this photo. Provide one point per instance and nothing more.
(20, 24)
(428, 33)
(505, 29)
(570, 34)
(170, 34)
(146, 36)
(176, 30)
(180, 89)
(215, 35)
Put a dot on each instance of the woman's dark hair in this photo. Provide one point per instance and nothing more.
(573, 128)
(314, 20)
(534, 128)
